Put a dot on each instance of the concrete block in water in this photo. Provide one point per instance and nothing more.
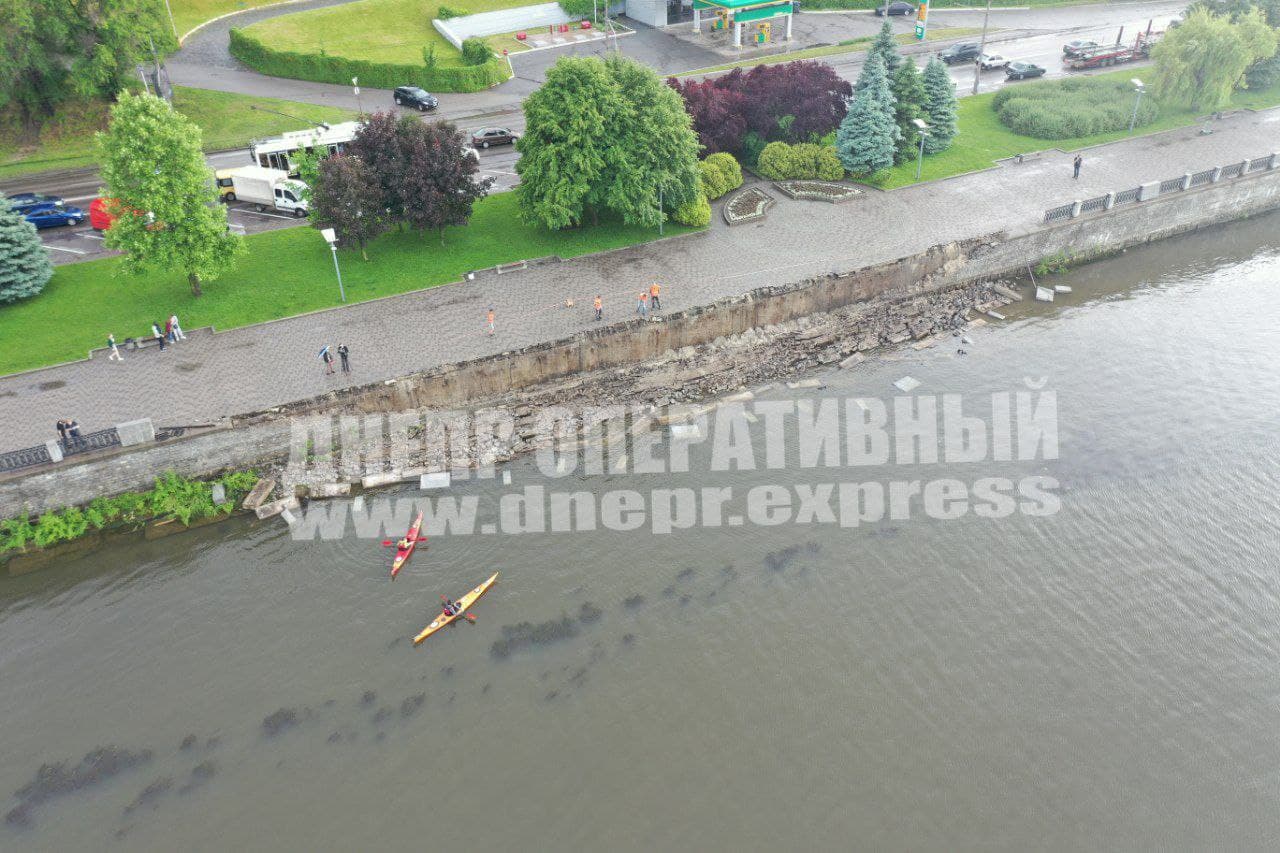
(907, 384)
(1044, 294)
(219, 494)
(1061, 288)
(994, 315)
(804, 383)
(259, 493)
(330, 490)
(435, 480)
(740, 397)
(273, 508)
(687, 432)
(136, 432)
(853, 360)
(373, 481)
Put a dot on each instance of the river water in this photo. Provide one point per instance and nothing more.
(1104, 676)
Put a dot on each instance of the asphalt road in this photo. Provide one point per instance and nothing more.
(1030, 35)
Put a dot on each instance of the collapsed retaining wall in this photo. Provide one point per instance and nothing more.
(262, 437)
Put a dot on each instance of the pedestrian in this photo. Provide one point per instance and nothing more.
(1075, 166)
(643, 308)
(599, 304)
(62, 432)
(158, 335)
(114, 355)
(344, 354)
(654, 290)
(178, 334)
(168, 330)
(327, 358)
(73, 430)
(490, 319)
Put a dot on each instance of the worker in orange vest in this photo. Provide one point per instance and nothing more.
(599, 307)
(654, 290)
(643, 308)
(490, 318)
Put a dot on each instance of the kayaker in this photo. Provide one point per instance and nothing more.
(403, 545)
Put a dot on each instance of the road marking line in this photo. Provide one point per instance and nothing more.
(63, 249)
(92, 236)
(263, 213)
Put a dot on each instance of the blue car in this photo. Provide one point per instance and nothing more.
(26, 202)
(53, 215)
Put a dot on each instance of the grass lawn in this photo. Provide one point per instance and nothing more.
(66, 140)
(284, 273)
(851, 46)
(983, 139)
(381, 30)
(854, 5)
(188, 14)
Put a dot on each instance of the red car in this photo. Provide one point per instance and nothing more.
(99, 218)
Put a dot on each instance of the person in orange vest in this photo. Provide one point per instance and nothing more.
(490, 318)
(599, 305)
(643, 308)
(654, 290)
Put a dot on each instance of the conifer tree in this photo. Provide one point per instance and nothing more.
(908, 92)
(24, 264)
(939, 107)
(868, 136)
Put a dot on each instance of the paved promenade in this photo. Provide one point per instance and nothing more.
(261, 366)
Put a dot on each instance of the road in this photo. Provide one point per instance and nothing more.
(1030, 35)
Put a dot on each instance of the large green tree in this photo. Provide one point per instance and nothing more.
(348, 199)
(939, 107)
(53, 50)
(163, 195)
(24, 262)
(1202, 61)
(886, 47)
(868, 136)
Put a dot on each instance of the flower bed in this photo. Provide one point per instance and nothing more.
(817, 191)
(747, 206)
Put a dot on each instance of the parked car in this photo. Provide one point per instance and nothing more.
(486, 136)
(898, 8)
(989, 61)
(1077, 47)
(412, 96)
(962, 52)
(24, 203)
(1022, 71)
(53, 215)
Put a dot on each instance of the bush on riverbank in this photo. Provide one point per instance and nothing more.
(174, 498)
(323, 67)
(1072, 107)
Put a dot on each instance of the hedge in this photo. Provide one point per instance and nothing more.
(1071, 108)
(720, 173)
(806, 161)
(323, 68)
(696, 213)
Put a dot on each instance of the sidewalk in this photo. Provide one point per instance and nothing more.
(274, 363)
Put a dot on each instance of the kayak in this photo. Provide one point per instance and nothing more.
(403, 554)
(462, 603)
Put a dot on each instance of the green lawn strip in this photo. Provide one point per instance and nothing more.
(66, 141)
(284, 273)
(188, 14)
(851, 46)
(936, 5)
(983, 139)
(376, 30)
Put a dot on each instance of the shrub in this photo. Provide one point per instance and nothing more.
(829, 167)
(752, 145)
(380, 75)
(775, 162)
(712, 179)
(475, 52)
(580, 9)
(1071, 108)
(730, 171)
(444, 13)
(806, 161)
(696, 213)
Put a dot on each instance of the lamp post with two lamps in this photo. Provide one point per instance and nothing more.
(924, 131)
(331, 238)
(1140, 89)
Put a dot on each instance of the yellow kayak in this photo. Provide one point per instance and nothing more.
(462, 605)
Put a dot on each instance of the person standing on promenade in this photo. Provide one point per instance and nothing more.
(643, 308)
(345, 354)
(62, 432)
(599, 305)
(489, 318)
(327, 358)
(654, 290)
(73, 430)
(1075, 167)
(158, 335)
(178, 334)
(168, 330)
(114, 355)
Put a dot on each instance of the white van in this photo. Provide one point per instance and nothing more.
(264, 188)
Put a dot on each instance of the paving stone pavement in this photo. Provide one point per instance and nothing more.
(257, 367)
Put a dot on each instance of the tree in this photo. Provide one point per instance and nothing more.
(440, 185)
(569, 148)
(868, 136)
(164, 200)
(348, 199)
(1235, 8)
(1204, 59)
(475, 52)
(377, 143)
(24, 263)
(939, 107)
(886, 46)
(659, 167)
(909, 98)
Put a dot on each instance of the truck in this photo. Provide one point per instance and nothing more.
(1100, 57)
(262, 188)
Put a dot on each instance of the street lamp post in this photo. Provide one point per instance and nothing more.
(332, 239)
(982, 49)
(355, 86)
(660, 216)
(1140, 89)
(924, 131)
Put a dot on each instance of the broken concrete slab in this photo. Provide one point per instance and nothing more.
(804, 383)
(907, 384)
(438, 480)
(273, 508)
(1061, 288)
(373, 481)
(259, 493)
(852, 361)
(329, 490)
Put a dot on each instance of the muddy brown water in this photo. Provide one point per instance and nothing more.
(1104, 677)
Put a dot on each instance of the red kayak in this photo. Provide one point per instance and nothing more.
(403, 552)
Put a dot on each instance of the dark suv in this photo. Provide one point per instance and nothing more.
(419, 99)
(962, 52)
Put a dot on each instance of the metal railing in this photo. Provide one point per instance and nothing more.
(1171, 185)
(1056, 213)
(1202, 177)
(1235, 170)
(1094, 204)
(1257, 164)
(15, 460)
(1128, 196)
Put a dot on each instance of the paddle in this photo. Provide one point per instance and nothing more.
(471, 617)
